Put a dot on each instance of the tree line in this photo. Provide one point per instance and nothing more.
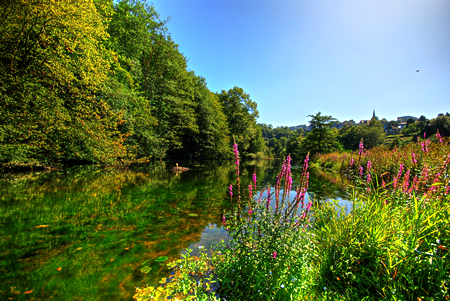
(103, 82)
(324, 137)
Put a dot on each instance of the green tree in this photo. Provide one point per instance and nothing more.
(149, 61)
(322, 138)
(241, 114)
(212, 140)
(373, 134)
(53, 65)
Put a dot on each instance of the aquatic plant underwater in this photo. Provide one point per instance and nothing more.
(392, 245)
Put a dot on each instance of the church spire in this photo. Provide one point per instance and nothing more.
(373, 115)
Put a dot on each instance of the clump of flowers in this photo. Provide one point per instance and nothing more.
(265, 240)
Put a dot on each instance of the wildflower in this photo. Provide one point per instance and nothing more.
(274, 255)
(250, 191)
(230, 189)
(369, 166)
(200, 247)
(352, 161)
(250, 211)
(361, 148)
(282, 286)
(236, 157)
(254, 180)
(224, 221)
(413, 158)
(361, 171)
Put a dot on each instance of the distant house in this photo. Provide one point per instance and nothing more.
(364, 122)
(338, 125)
(391, 130)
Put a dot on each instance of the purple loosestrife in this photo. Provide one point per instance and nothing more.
(424, 175)
(274, 254)
(361, 147)
(406, 181)
(361, 169)
(250, 191)
(369, 176)
(352, 161)
(230, 189)
(415, 185)
(236, 157)
(413, 158)
(438, 137)
(224, 221)
(254, 180)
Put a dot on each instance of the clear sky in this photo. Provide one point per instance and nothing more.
(343, 58)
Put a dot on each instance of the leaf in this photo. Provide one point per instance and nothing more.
(146, 269)
(59, 269)
(42, 226)
(28, 292)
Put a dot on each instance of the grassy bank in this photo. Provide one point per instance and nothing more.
(392, 244)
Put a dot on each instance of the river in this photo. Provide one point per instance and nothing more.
(90, 233)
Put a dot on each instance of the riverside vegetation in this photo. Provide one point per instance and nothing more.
(102, 81)
(392, 244)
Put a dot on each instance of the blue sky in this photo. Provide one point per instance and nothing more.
(343, 58)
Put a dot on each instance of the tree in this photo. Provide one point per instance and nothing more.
(372, 134)
(149, 61)
(321, 137)
(241, 114)
(212, 140)
(53, 65)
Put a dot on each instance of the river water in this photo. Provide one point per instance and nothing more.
(90, 233)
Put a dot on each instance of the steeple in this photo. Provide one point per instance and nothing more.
(373, 115)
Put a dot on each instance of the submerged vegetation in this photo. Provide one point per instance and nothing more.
(391, 244)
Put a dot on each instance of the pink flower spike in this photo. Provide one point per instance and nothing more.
(274, 255)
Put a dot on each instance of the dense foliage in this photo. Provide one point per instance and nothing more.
(103, 82)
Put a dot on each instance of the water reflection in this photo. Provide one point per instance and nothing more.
(95, 233)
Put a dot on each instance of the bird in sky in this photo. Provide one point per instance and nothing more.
(417, 70)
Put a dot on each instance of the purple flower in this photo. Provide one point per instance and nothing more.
(413, 158)
(438, 136)
(274, 255)
(230, 189)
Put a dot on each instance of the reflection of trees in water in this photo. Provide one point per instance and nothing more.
(324, 186)
(110, 219)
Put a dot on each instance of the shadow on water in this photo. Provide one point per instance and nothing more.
(96, 233)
